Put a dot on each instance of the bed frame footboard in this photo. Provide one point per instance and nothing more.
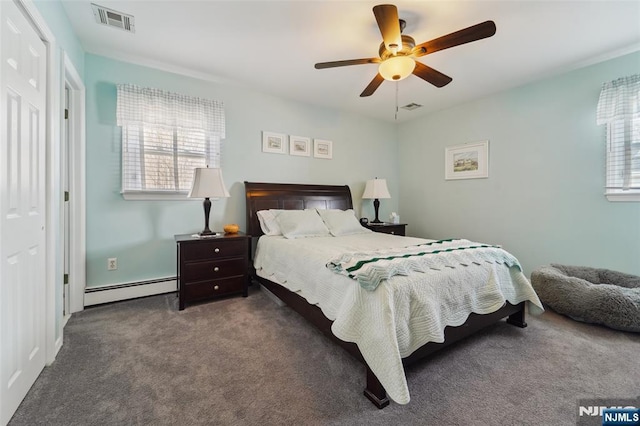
(374, 390)
(515, 315)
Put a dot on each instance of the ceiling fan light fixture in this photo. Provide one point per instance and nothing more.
(398, 52)
(397, 68)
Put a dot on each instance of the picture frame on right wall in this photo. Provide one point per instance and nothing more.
(467, 161)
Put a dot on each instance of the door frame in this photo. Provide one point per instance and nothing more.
(77, 180)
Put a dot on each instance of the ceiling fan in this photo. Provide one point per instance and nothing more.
(398, 52)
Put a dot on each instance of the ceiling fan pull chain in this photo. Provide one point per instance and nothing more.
(397, 83)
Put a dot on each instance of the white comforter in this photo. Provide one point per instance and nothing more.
(404, 312)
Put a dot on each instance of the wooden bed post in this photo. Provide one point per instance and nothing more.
(375, 391)
(518, 318)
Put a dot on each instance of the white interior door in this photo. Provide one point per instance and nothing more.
(22, 207)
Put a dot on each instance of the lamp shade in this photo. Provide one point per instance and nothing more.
(208, 183)
(397, 68)
(376, 188)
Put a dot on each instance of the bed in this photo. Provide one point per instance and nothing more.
(397, 347)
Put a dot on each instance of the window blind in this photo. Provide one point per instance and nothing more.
(623, 155)
(619, 110)
(165, 136)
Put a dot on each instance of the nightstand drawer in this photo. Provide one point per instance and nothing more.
(214, 249)
(392, 229)
(214, 269)
(212, 288)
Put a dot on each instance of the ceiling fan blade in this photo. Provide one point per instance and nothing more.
(466, 35)
(389, 24)
(333, 64)
(430, 75)
(375, 83)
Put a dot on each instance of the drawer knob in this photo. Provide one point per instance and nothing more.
(216, 269)
(217, 250)
(215, 287)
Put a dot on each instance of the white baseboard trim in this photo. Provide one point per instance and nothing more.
(115, 293)
(58, 346)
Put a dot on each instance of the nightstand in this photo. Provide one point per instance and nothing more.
(387, 228)
(212, 267)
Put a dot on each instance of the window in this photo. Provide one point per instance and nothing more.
(619, 109)
(623, 156)
(165, 136)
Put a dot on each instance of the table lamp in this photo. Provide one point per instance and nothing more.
(375, 189)
(207, 183)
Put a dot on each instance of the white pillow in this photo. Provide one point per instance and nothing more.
(268, 222)
(301, 224)
(342, 222)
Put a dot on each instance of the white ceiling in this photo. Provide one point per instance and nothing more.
(272, 46)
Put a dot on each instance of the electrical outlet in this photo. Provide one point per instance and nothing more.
(112, 263)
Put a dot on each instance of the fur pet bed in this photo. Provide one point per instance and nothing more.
(591, 295)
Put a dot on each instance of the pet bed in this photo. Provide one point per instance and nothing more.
(592, 295)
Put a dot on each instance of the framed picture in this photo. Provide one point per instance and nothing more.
(275, 143)
(468, 161)
(299, 145)
(322, 149)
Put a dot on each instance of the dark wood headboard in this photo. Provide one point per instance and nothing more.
(289, 196)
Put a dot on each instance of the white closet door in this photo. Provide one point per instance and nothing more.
(22, 207)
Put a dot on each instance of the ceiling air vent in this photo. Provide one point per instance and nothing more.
(113, 18)
(411, 106)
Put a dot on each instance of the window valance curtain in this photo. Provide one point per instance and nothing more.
(619, 99)
(142, 105)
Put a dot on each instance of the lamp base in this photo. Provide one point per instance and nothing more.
(206, 232)
(376, 207)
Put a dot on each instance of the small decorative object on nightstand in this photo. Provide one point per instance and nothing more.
(212, 267)
(387, 228)
(231, 228)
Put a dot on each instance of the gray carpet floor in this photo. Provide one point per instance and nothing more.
(248, 361)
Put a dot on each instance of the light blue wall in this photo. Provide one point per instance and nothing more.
(543, 200)
(57, 21)
(141, 233)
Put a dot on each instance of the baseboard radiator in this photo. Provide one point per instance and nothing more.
(116, 292)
